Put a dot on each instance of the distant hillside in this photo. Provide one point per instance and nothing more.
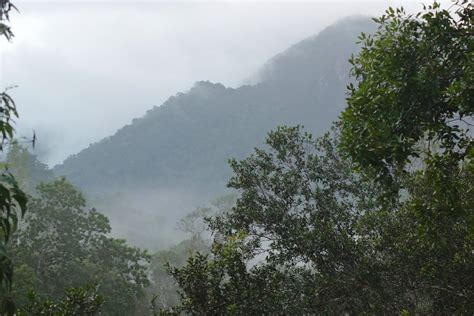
(187, 141)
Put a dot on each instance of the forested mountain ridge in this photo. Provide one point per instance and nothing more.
(187, 141)
(374, 217)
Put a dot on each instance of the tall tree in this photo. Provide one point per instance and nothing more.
(414, 91)
(394, 237)
(408, 124)
(62, 244)
(292, 243)
(12, 199)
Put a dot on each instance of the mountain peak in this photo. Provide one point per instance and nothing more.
(180, 149)
(206, 88)
(187, 141)
(299, 63)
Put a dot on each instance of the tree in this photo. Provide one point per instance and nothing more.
(195, 223)
(408, 124)
(12, 199)
(221, 284)
(308, 235)
(381, 223)
(77, 302)
(163, 289)
(292, 243)
(414, 91)
(28, 171)
(62, 244)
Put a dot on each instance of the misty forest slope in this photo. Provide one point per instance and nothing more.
(187, 141)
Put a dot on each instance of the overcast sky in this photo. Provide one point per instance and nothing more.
(85, 69)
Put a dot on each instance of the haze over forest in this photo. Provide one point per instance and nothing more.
(244, 158)
(119, 59)
(148, 101)
(162, 160)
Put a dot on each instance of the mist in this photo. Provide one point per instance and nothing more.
(148, 218)
(236, 157)
(85, 70)
(76, 64)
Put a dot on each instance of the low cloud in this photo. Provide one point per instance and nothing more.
(86, 69)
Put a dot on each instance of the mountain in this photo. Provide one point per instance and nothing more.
(188, 140)
(154, 170)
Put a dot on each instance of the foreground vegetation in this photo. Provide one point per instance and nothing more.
(377, 217)
(374, 217)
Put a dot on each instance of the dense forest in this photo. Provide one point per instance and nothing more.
(156, 166)
(349, 187)
(187, 140)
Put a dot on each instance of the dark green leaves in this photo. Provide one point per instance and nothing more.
(394, 238)
(83, 301)
(291, 244)
(414, 90)
(408, 125)
(12, 199)
(63, 244)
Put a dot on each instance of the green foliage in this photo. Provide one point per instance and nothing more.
(178, 150)
(195, 223)
(163, 290)
(12, 199)
(223, 286)
(414, 91)
(408, 124)
(186, 141)
(293, 196)
(65, 245)
(308, 235)
(293, 243)
(77, 302)
(5, 29)
(28, 171)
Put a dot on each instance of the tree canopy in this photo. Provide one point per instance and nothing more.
(374, 217)
(13, 200)
(62, 244)
(414, 91)
(292, 243)
(377, 219)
